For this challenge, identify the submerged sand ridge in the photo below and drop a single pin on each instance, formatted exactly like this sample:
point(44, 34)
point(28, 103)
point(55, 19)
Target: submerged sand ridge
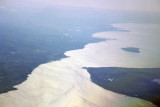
point(65, 83)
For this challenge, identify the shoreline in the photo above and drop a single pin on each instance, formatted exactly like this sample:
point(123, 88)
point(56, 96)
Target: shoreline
point(140, 82)
point(65, 83)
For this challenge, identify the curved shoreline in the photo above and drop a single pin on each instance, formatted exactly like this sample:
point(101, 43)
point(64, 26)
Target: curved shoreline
point(65, 83)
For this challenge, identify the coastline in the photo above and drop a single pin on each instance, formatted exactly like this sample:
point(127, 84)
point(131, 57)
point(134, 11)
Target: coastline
point(141, 83)
point(65, 83)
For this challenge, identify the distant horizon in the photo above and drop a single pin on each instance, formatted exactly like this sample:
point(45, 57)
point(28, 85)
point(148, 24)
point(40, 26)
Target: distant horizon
point(129, 5)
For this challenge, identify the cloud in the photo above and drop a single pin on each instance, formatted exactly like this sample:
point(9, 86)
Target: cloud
point(78, 30)
point(13, 10)
point(2, 7)
point(66, 34)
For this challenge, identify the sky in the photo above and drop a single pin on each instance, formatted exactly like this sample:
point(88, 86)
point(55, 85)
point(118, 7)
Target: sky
point(138, 5)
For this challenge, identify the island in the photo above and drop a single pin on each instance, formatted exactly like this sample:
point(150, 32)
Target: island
point(131, 49)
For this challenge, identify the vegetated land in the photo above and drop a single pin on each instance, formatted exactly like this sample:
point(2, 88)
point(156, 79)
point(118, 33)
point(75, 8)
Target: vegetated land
point(135, 82)
point(131, 49)
point(30, 37)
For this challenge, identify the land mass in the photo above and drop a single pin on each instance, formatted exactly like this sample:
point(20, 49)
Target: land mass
point(135, 82)
point(131, 49)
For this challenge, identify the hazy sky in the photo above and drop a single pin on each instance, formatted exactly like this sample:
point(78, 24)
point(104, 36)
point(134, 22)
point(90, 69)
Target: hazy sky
point(139, 5)
point(143, 5)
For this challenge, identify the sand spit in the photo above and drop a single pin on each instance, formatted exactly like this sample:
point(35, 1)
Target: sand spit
point(65, 83)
